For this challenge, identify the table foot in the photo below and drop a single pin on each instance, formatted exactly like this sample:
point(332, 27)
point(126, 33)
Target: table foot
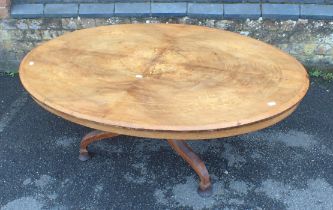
point(206, 192)
point(182, 148)
point(84, 156)
point(90, 138)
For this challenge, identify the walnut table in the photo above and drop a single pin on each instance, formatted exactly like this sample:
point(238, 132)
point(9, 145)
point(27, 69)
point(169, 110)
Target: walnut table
point(174, 82)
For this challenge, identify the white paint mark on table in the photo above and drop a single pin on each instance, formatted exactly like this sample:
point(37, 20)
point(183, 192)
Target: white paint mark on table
point(31, 63)
point(139, 76)
point(271, 103)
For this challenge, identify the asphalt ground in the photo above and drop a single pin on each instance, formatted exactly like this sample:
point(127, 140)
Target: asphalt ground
point(286, 166)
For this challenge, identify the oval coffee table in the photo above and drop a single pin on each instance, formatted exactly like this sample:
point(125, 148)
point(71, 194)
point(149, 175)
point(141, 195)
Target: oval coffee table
point(164, 81)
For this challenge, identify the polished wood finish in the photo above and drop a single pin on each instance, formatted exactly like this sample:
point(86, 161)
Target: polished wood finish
point(91, 137)
point(182, 148)
point(164, 81)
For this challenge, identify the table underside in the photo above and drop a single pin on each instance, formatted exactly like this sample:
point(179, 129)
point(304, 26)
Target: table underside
point(177, 135)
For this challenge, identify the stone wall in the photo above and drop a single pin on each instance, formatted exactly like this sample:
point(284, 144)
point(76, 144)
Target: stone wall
point(310, 41)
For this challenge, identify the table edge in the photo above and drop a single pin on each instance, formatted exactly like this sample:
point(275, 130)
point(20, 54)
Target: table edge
point(173, 134)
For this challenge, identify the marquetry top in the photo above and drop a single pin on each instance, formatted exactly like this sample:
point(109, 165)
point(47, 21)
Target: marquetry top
point(162, 77)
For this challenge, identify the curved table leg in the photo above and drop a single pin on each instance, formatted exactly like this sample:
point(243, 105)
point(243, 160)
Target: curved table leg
point(90, 138)
point(205, 186)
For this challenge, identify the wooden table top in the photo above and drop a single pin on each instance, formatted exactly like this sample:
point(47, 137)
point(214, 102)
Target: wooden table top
point(164, 80)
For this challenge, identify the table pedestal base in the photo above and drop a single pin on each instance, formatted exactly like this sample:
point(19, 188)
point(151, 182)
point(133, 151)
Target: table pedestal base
point(90, 138)
point(185, 151)
point(180, 146)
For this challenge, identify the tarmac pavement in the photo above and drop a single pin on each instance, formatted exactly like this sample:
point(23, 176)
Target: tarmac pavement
point(286, 166)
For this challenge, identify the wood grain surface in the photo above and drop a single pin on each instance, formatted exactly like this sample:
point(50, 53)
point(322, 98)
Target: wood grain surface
point(177, 81)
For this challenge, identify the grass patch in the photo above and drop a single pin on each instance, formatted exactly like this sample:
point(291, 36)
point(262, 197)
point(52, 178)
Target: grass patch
point(9, 73)
point(328, 76)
